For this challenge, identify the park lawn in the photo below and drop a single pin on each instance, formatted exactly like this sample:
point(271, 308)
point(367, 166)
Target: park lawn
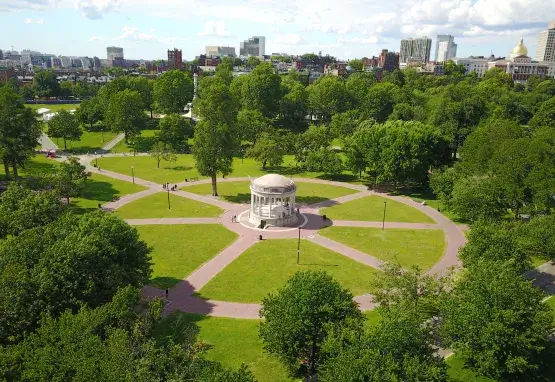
point(156, 206)
point(53, 107)
point(551, 302)
point(239, 192)
point(422, 248)
point(102, 189)
point(233, 342)
point(371, 208)
point(458, 373)
point(90, 142)
point(184, 167)
point(144, 143)
point(35, 166)
point(177, 250)
point(266, 266)
point(537, 261)
point(432, 201)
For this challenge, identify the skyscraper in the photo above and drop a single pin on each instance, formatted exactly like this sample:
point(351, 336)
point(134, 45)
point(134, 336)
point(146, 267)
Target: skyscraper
point(114, 56)
point(415, 49)
point(175, 59)
point(546, 44)
point(446, 48)
point(254, 46)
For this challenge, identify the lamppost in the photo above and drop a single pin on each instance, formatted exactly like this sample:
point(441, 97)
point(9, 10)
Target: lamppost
point(383, 222)
point(169, 206)
point(102, 133)
point(96, 159)
point(299, 247)
point(133, 173)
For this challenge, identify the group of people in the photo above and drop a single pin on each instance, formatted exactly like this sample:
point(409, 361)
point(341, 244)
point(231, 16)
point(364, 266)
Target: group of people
point(168, 187)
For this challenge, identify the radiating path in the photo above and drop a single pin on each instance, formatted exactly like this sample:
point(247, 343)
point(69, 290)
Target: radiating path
point(152, 221)
point(366, 224)
point(114, 142)
point(47, 143)
point(349, 252)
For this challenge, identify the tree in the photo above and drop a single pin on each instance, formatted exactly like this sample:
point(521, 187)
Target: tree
point(324, 159)
point(19, 131)
point(69, 179)
point(89, 112)
point(328, 96)
point(162, 150)
point(356, 64)
point(66, 89)
point(299, 317)
point(172, 91)
point(495, 319)
point(267, 150)
point(358, 85)
point(125, 113)
point(476, 198)
point(402, 112)
point(262, 91)
point(253, 62)
point(539, 236)
point(343, 125)
point(545, 116)
point(144, 87)
point(452, 69)
point(225, 72)
point(64, 125)
point(252, 124)
point(294, 103)
point(380, 100)
point(71, 262)
point(175, 131)
point(23, 209)
point(46, 84)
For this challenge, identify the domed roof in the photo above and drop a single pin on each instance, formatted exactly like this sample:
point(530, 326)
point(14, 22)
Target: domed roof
point(349, 68)
point(520, 49)
point(273, 180)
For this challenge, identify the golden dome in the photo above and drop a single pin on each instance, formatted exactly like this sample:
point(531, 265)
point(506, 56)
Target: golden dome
point(519, 49)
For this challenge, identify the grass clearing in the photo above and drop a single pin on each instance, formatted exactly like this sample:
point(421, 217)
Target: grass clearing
point(102, 189)
point(267, 266)
point(422, 248)
point(232, 341)
point(36, 166)
point(90, 142)
point(371, 208)
point(156, 206)
point(239, 192)
point(53, 107)
point(180, 249)
point(142, 143)
point(457, 371)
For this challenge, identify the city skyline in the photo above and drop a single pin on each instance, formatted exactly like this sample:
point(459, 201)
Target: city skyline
point(350, 29)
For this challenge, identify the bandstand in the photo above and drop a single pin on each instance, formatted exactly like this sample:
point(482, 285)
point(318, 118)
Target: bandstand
point(273, 201)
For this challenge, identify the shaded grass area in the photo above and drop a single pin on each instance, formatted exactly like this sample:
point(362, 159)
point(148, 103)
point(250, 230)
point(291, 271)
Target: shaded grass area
point(457, 371)
point(177, 250)
point(422, 248)
point(371, 208)
point(184, 167)
point(102, 189)
point(142, 143)
point(90, 142)
point(36, 166)
point(156, 206)
point(267, 265)
point(232, 342)
point(239, 192)
point(53, 107)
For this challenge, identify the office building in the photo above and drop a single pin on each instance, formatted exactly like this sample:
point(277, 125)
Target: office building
point(1, 55)
point(56, 63)
point(219, 51)
point(96, 63)
point(446, 49)
point(545, 50)
point(478, 65)
point(175, 59)
point(115, 56)
point(254, 46)
point(415, 50)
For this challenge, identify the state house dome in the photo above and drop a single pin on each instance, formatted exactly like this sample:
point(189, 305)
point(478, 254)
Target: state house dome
point(520, 49)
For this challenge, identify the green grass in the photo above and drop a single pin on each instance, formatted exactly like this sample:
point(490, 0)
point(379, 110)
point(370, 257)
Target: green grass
point(409, 247)
point(458, 373)
point(184, 167)
point(232, 342)
point(36, 166)
point(239, 192)
point(537, 261)
point(432, 201)
point(53, 108)
point(90, 142)
point(143, 143)
point(156, 206)
point(551, 302)
point(371, 208)
point(177, 250)
point(266, 266)
point(102, 189)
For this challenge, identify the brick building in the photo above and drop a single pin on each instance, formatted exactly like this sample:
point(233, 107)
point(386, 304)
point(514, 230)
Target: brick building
point(175, 59)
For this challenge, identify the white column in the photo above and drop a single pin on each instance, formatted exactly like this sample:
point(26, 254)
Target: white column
point(270, 209)
point(260, 206)
point(252, 202)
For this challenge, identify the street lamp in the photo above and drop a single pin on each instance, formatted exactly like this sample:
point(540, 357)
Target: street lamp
point(133, 173)
point(169, 206)
point(102, 133)
point(96, 159)
point(383, 222)
point(299, 247)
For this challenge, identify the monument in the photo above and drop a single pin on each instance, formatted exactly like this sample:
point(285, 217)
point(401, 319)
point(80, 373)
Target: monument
point(273, 201)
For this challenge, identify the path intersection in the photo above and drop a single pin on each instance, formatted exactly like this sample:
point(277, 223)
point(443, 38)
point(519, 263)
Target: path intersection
point(182, 295)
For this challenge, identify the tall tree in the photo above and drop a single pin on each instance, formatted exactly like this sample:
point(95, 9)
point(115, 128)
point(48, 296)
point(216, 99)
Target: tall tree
point(262, 91)
point(144, 87)
point(358, 85)
point(19, 131)
point(69, 178)
point(64, 125)
point(172, 91)
point(299, 317)
point(252, 124)
point(46, 84)
point(545, 116)
point(161, 150)
point(328, 96)
point(294, 103)
point(268, 149)
point(125, 113)
point(89, 112)
point(175, 131)
point(495, 319)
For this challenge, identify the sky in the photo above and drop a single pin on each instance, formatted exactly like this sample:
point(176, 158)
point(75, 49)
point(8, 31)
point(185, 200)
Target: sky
point(342, 28)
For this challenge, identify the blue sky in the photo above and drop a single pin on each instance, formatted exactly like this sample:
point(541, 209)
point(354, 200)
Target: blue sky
point(345, 29)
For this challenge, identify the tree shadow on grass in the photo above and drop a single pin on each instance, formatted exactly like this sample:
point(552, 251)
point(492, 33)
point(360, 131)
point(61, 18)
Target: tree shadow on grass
point(339, 177)
point(321, 265)
point(239, 198)
point(179, 168)
point(310, 199)
point(164, 282)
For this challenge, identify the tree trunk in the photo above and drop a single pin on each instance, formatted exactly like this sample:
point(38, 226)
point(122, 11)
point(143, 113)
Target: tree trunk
point(360, 173)
point(91, 125)
point(67, 198)
point(313, 358)
point(65, 144)
point(14, 165)
point(158, 162)
point(151, 114)
point(214, 186)
point(264, 165)
point(125, 137)
point(7, 169)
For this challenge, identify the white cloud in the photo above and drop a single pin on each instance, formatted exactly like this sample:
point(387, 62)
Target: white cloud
point(290, 39)
point(95, 9)
point(31, 21)
point(359, 40)
point(131, 33)
point(97, 38)
point(214, 29)
point(28, 21)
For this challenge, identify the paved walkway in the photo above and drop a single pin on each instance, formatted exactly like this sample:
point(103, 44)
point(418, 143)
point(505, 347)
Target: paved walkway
point(114, 142)
point(182, 296)
point(47, 143)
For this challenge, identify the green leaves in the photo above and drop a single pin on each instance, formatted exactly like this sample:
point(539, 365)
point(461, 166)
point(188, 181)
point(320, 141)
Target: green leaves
point(125, 113)
point(172, 91)
point(64, 125)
